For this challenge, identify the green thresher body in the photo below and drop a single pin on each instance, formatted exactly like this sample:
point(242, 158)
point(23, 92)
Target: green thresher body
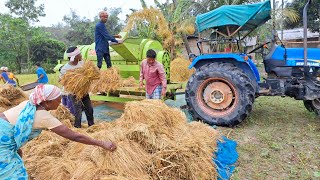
point(126, 56)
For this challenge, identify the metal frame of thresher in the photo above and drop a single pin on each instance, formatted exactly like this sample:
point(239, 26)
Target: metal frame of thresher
point(134, 93)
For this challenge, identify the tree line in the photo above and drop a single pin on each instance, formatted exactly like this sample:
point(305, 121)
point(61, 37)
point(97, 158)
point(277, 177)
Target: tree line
point(23, 44)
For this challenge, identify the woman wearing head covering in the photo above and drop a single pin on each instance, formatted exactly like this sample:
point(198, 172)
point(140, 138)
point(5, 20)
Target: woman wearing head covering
point(17, 123)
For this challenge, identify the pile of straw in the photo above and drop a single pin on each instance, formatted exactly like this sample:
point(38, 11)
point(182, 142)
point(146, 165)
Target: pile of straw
point(179, 71)
point(110, 80)
point(153, 141)
point(129, 82)
point(10, 96)
point(64, 115)
point(79, 80)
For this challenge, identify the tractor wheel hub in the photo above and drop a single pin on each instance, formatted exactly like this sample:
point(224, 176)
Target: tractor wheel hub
point(218, 95)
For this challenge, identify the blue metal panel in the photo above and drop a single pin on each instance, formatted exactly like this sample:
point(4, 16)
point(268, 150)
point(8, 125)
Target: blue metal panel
point(254, 69)
point(216, 56)
point(295, 56)
point(231, 57)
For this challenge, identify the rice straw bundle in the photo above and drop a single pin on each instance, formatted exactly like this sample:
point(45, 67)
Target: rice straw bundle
point(4, 102)
point(153, 141)
point(181, 163)
point(109, 80)
point(79, 80)
point(44, 140)
point(156, 23)
point(2, 109)
point(100, 126)
point(179, 71)
point(149, 140)
point(115, 178)
point(48, 168)
point(10, 96)
point(129, 158)
point(11, 93)
point(64, 115)
point(193, 144)
point(154, 113)
point(129, 82)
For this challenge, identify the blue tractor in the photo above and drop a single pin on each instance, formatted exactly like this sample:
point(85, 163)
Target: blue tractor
point(223, 88)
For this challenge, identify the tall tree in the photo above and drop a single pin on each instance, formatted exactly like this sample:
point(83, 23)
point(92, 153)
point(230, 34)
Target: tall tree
point(13, 37)
point(29, 12)
point(114, 24)
point(180, 17)
point(45, 49)
point(313, 15)
point(26, 9)
point(81, 29)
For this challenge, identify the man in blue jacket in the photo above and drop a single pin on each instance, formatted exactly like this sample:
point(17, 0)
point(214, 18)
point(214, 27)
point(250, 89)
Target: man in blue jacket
point(102, 37)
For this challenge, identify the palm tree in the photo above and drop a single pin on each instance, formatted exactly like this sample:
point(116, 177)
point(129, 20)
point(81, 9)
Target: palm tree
point(281, 15)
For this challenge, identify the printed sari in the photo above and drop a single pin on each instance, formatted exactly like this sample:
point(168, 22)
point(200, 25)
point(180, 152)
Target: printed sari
point(12, 137)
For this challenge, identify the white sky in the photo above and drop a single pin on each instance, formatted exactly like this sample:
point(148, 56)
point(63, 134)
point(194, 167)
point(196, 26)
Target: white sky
point(56, 9)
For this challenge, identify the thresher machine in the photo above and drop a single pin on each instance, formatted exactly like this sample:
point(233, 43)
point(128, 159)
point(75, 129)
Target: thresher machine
point(127, 56)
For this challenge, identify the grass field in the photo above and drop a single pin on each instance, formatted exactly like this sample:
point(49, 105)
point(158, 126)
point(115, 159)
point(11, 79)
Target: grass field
point(29, 78)
point(279, 140)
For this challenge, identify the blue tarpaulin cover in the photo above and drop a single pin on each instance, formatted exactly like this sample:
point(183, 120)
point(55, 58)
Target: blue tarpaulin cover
point(248, 16)
point(226, 156)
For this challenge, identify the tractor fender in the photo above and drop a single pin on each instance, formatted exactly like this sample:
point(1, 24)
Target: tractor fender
point(237, 59)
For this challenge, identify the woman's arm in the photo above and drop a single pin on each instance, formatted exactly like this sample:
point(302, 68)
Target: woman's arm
point(65, 132)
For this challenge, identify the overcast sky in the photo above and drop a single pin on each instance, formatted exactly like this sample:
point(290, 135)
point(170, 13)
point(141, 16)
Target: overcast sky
point(56, 9)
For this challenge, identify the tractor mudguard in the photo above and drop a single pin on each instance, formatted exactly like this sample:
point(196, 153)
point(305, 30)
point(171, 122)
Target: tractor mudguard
point(246, 65)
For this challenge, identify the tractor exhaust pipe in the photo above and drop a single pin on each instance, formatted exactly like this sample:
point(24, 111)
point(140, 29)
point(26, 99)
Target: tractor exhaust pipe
point(305, 37)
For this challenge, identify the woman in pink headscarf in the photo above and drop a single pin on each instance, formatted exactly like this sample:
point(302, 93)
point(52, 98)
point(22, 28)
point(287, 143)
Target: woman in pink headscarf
point(17, 123)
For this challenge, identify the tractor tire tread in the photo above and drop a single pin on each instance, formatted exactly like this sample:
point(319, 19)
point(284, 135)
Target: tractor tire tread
point(238, 77)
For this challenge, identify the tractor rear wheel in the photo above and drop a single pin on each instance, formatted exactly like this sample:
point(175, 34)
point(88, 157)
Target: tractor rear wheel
point(312, 105)
point(220, 94)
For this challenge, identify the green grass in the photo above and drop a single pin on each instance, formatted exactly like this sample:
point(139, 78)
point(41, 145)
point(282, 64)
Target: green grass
point(29, 78)
point(279, 140)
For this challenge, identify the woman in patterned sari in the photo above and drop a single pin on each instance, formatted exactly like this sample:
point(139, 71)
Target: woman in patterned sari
point(17, 123)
